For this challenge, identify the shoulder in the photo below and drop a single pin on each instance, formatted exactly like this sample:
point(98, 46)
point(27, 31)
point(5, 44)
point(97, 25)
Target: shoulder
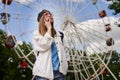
point(36, 34)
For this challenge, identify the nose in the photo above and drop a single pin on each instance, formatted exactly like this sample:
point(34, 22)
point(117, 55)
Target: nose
point(50, 15)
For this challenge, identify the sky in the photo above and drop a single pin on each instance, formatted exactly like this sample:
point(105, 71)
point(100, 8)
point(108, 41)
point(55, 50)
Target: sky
point(82, 13)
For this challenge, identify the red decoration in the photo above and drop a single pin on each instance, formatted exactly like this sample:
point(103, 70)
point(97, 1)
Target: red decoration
point(10, 41)
point(5, 17)
point(109, 41)
point(8, 2)
point(23, 64)
point(105, 71)
point(108, 28)
point(102, 13)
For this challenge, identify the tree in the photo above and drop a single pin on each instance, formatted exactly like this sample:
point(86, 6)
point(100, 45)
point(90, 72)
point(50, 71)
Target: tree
point(114, 65)
point(9, 62)
point(115, 6)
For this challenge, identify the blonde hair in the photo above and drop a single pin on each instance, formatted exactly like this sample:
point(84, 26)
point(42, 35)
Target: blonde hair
point(43, 29)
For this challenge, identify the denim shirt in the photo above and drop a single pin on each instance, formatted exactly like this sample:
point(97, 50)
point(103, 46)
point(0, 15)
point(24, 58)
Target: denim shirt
point(55, 59)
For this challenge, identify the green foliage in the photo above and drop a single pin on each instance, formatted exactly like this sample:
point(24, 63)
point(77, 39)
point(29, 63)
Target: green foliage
point(9, 62)
point(115, 6)
point(114, 65)
point(2, 36)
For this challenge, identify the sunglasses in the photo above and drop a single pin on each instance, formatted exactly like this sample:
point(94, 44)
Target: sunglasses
point(47, 14)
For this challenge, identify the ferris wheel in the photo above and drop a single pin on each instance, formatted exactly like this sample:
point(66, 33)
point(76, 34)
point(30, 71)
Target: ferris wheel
point(86, 25)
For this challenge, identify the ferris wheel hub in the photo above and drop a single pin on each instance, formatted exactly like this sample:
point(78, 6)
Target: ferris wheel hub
point(68, 20)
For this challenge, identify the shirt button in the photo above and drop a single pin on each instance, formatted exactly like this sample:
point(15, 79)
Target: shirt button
point(61, 61)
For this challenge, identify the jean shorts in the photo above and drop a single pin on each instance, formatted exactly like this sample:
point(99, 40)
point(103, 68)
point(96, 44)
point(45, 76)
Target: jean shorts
point(57, 76)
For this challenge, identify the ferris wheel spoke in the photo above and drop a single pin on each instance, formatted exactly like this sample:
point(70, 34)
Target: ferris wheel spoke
point(91, 63)
point(23, 17)
point(106, 66)
point(25, 5)
point(23, 55)
point(96, 47)
point(92, 39)
point(88, 43)
point(73, 7)
point(93, 68)
point(29, 53)
point(62, 5)
point(83, 8)
point(24, 33)
point(99, 58)
point(67, 6)
point(17, 53)
point(91, 47)
point(98, 43)
point(83, 64)
point(90, 31)
point(94, 34)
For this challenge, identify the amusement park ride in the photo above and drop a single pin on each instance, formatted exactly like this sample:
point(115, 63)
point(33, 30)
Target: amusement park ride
point(82, 64)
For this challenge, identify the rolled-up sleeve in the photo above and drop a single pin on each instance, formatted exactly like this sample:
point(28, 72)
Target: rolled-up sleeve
point(42, 43)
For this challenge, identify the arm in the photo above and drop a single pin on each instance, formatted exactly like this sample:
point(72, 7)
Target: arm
point(41, 43)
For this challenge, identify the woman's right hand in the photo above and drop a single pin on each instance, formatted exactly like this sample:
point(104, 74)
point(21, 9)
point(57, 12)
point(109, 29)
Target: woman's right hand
point(48, 23)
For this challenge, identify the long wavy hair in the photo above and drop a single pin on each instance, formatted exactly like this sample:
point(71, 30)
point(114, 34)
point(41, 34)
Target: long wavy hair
point(43, 29)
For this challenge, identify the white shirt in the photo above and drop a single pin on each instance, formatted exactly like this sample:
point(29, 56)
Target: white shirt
point(43, 64)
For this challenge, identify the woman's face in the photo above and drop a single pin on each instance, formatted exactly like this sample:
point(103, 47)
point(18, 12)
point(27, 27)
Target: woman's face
point(48, 16)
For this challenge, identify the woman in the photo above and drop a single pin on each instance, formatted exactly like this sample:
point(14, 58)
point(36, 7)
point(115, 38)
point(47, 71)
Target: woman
point(51, 58)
